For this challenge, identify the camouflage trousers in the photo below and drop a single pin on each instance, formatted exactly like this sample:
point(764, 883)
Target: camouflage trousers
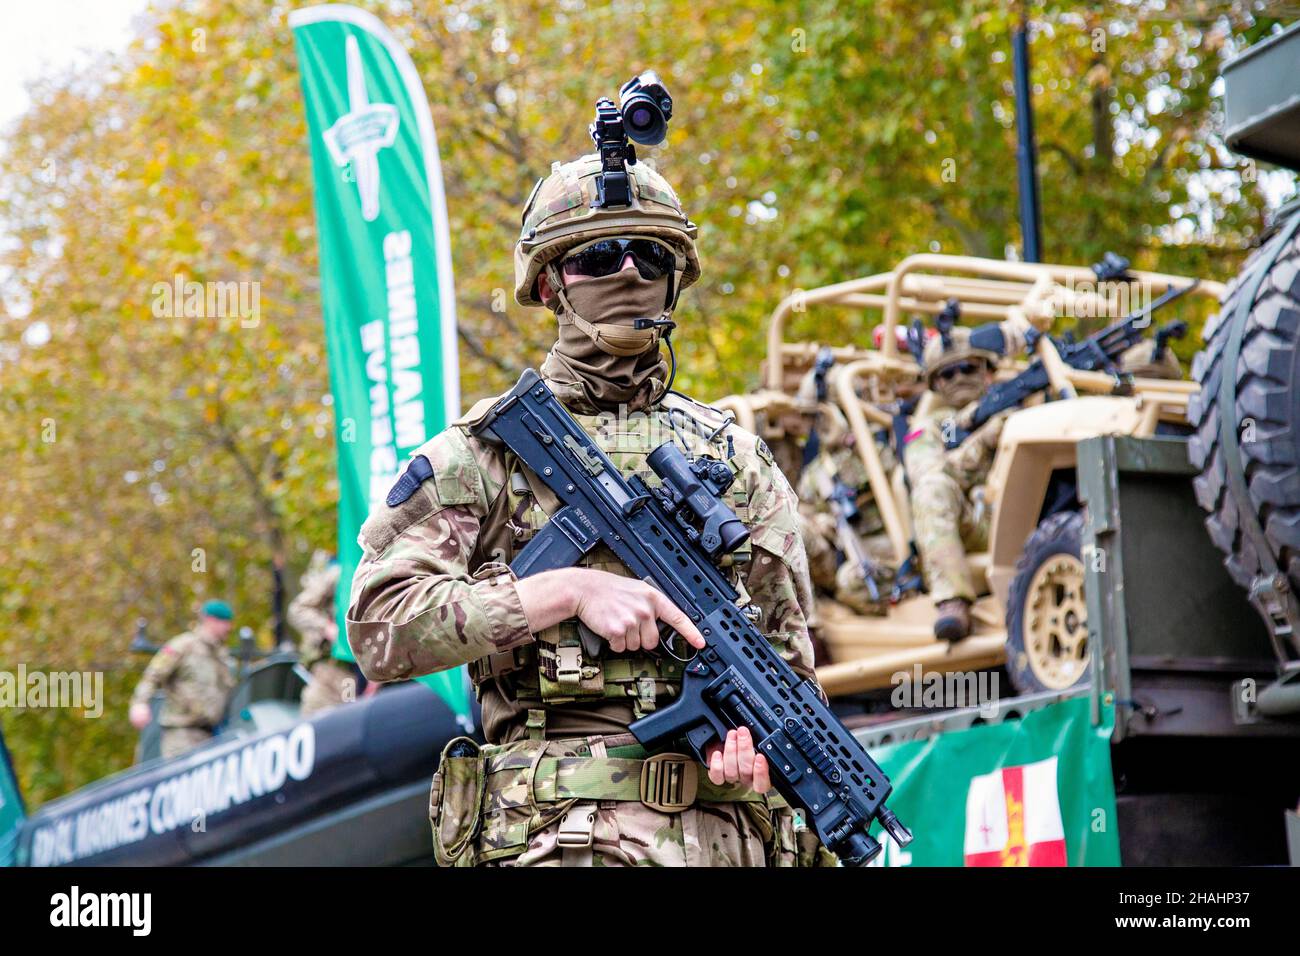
point(332, 683)
point(506, 806)
point(946, 524)
point(179, 740)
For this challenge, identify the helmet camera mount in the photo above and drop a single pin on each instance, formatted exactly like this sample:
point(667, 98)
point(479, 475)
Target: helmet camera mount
point(642, 114)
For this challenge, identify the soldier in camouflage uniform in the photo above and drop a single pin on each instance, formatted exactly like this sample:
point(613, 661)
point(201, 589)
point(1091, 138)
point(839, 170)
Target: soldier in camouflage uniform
point(837, 464)
point(562, 782)
point(312, 614)
point(196, 674)
point(1140, 361)
point(948, 513)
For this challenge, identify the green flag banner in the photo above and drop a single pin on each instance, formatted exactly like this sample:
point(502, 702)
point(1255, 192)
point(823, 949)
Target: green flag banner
point(11, 807)
point(1030, 792)
point(385, 265)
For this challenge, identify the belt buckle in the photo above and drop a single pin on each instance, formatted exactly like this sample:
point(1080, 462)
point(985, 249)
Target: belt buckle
point(669, 782)
point(578, 826)
point(568, 665)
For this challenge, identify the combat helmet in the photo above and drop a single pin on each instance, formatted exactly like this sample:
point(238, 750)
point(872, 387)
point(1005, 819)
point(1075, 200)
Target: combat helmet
point(560, 215)
point(942, 351)
point(1140, 361)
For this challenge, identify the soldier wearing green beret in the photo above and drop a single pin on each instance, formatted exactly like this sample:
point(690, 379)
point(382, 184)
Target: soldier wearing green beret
point(196, 673)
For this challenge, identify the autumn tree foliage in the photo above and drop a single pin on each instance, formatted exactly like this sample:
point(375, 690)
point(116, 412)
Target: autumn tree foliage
point(155, 457)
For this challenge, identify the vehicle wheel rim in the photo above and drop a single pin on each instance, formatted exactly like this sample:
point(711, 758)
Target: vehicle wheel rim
point(1056, 622)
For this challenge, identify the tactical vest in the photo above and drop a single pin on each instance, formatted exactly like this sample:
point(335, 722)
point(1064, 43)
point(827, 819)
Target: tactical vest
point(555, 670)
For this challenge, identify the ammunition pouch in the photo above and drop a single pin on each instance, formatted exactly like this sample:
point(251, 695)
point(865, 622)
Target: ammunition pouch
point(456, 802)
point(556, 670)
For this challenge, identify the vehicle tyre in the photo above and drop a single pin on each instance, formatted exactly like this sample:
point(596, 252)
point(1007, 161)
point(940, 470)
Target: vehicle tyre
point(1047, 620)
point(1267, 416)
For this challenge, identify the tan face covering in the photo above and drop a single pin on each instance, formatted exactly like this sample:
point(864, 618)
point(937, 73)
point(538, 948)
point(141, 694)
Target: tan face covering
point(960, 390)
point(600, 356)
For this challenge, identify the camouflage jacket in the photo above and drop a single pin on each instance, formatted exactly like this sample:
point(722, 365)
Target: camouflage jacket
point(312, 612)
point(925, 451)
point(197, 677)
point(434, 588)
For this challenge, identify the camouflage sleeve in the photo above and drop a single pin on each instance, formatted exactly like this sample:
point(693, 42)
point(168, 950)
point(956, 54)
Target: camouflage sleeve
point(312, 611)
point(416, 606)
point(159, 672)
point(970, 461)
point(777, 578)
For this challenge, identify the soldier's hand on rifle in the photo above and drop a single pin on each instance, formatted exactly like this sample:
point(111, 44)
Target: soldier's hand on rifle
point(624, 611)
point(989, 434)
point(735, 762)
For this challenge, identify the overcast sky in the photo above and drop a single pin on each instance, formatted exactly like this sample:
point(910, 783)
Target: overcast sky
point(39, 36)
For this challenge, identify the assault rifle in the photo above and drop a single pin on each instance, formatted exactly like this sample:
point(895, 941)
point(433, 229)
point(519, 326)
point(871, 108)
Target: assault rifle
point(1098, 352)
point(672, 537)
point(844, 506)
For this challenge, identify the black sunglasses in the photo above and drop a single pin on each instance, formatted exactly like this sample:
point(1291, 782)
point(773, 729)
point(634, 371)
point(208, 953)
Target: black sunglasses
point(961, 368)
point(605, 257)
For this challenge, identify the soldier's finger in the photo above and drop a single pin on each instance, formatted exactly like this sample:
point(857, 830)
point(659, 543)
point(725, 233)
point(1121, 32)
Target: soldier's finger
point(745, 754)
point(617, 644)
point(649, 635)
point(730, 766)
point(762, 777)
point(632, 639)
point(672, 615)
point(717, 774)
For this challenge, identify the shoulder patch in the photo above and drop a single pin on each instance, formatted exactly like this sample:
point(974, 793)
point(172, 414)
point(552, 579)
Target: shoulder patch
point(418, 471)
point(457, 474)
point(446, 471)
point(764, 452)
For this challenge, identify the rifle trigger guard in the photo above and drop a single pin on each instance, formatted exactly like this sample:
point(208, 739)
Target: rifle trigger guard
point(667, 641)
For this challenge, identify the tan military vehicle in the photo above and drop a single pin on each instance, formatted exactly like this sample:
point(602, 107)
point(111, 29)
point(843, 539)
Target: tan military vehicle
point(1032, 613)
point(1240, 417)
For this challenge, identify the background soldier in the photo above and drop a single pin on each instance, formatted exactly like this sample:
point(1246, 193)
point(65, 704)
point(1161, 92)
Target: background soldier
point(560, 782)
point(333, 682)
point(1142, 361)
point(196, 673)
point(948, 514)
point(836, 471)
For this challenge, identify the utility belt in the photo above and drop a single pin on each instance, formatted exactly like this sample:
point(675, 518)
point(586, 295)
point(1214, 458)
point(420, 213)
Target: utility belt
point(486, 802)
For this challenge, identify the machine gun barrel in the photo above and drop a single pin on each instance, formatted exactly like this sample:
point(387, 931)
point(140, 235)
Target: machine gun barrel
point(738, 679)
point(1098, 351)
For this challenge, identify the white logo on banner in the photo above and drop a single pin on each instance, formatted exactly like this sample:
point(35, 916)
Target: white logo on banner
point(359, 134)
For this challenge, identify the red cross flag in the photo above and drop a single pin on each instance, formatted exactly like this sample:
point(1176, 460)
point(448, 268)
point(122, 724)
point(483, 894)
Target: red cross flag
point(1013, 817)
